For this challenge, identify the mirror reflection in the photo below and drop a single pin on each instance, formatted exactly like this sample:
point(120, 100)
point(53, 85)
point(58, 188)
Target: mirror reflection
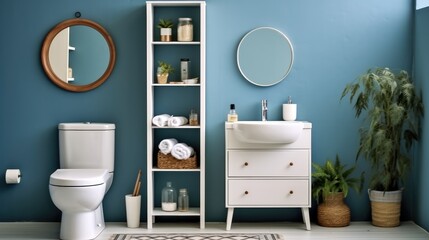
point(78, 55)
point(265, 56)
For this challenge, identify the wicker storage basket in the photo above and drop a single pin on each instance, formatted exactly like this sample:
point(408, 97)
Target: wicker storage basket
point(385, 208)
point(169, 162)
point(333, 212)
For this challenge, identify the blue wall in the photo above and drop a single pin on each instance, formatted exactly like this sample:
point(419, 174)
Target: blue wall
point(334, 42)
point(421, 168)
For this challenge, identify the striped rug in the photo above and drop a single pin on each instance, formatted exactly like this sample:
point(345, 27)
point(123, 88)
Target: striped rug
point(199, 236)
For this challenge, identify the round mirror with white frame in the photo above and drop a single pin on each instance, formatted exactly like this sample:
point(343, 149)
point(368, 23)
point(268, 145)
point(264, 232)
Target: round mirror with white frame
point(265, 56)
point(78, 55)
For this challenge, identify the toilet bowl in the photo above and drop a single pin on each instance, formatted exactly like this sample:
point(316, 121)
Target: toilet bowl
point(87, 156)
point(79, 193)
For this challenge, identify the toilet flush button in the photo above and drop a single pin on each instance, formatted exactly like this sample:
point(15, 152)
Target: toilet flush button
point(99, 225)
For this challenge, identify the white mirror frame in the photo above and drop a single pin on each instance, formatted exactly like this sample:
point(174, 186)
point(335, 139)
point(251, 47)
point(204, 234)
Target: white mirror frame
point(261, 60)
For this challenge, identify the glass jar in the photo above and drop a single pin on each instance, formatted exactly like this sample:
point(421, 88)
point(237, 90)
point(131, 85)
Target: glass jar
point(193, 118)
point(169, 198)
point(183, 200)
point(185, 30)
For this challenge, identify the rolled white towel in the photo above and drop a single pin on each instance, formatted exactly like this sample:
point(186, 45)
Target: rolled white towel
point(177, 121)
point(182, 151)
point(161, 120)
point(166, 145)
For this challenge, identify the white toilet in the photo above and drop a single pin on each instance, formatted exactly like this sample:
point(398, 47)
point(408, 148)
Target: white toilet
point(87, 152)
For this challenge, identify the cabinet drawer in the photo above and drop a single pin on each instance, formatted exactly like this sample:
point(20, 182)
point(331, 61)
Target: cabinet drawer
point(268, 163)
point(268, 193)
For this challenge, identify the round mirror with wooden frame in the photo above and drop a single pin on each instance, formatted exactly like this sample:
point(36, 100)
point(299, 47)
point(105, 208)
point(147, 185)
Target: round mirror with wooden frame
point(58, 41)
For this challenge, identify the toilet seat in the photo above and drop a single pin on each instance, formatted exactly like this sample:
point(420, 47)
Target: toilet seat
point(78, 177)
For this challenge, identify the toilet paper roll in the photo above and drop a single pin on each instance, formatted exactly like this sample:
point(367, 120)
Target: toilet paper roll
point(289, 112)
point(13, 176)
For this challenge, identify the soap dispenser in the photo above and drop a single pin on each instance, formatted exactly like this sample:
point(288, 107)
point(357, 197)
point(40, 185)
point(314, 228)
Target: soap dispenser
point(232, 115)
point(289, 110)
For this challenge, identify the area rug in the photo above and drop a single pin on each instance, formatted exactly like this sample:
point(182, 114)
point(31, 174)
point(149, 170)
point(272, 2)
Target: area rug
point(199, 236)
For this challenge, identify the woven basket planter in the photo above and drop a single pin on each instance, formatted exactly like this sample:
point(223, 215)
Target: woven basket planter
point(333, 212)
point(169, 162)
point(385, 208)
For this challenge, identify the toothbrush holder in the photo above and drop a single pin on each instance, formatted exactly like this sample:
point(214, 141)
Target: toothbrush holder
point(289, 111)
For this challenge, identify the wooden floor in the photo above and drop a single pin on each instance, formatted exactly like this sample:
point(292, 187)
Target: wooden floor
point(357, 230)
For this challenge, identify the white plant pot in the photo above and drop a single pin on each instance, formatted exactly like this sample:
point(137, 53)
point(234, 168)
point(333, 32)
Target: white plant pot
point(166, 34)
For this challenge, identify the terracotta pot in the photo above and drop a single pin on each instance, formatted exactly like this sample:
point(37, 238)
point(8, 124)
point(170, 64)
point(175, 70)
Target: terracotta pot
point(333, 212)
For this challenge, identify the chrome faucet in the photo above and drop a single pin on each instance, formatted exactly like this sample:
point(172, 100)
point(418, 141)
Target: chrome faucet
point(264, 110)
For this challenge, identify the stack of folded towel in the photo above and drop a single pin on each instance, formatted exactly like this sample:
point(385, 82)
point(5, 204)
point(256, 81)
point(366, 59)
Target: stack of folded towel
point(164, 120)
point(179, 151)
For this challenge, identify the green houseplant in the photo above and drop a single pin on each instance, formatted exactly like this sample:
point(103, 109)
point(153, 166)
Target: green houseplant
point(164, 69)
point(393, 109)
point(165, 26)
point(331, 183)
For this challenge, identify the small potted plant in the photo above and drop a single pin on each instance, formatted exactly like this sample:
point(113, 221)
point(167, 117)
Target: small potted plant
point(331, 184)
point(164, 69)
point(393, 109)
point(165, 26)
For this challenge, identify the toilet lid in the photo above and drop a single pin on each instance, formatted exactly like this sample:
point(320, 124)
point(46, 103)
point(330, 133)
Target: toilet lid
point(79, 177)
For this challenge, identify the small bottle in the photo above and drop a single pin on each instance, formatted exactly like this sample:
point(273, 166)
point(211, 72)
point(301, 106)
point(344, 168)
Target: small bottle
point(183, 200)
point(185, 30)
point(184, 68)
point(232, 115)
point(169, 198)
point(193, 118)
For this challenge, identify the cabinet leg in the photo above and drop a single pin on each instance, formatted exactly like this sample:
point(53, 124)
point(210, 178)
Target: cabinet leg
point(229, 218)
point(306, 217)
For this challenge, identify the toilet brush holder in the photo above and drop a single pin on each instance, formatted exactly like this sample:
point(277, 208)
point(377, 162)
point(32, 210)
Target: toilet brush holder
point(132, 205)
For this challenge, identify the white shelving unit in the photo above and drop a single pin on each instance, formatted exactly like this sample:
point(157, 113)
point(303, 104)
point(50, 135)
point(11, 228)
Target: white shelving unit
point(153, 9)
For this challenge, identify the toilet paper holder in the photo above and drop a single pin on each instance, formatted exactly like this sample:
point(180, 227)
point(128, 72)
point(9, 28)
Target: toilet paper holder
point(13, 176)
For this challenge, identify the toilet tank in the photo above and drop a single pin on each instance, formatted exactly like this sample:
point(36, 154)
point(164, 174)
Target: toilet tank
point(87, 145)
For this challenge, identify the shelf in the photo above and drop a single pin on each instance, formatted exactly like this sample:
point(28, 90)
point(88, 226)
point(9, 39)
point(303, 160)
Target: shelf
point(155, 169)
point(176, 97)
point(175, 85)
point(176, 43)
point(184, 126)
point(191, 212)
point(175, 3)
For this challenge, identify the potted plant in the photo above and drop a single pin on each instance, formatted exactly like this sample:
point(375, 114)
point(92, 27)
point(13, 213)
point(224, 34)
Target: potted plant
point(165, 26)
point(164, 69)
point(393, 109)
point(330, 184)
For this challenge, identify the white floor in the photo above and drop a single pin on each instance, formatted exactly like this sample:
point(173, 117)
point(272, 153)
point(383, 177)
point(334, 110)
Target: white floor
point(356, 230)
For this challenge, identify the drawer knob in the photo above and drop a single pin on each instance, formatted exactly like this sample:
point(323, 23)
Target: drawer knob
point(246, 192)
point(291, 164)
point(246, 164)
point(290, 192)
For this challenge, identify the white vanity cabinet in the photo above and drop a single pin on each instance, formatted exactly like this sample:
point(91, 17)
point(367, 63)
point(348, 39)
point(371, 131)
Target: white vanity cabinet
point(262, 175)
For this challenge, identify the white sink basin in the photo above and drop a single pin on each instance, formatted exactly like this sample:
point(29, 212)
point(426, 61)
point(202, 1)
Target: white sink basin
point(267, 131)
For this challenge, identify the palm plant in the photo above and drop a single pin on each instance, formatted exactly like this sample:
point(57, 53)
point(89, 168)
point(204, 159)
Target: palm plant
point(334, 177)
point(393, 110)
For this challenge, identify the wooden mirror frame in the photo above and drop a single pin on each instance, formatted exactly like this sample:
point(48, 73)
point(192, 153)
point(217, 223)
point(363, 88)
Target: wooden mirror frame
point(45, 55)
